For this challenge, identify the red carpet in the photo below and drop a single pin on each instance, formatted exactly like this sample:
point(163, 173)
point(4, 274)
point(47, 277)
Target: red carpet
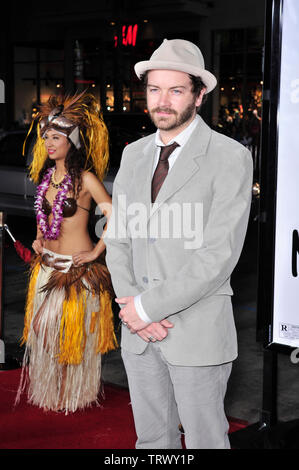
point(110, 426)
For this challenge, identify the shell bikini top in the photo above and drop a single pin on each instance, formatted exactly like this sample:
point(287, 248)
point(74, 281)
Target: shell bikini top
point(69, 207)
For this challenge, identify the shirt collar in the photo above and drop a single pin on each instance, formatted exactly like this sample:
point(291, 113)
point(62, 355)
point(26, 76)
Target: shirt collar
point(182, 137)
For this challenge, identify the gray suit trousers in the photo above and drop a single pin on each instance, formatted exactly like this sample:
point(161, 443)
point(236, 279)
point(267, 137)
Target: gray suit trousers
point(164, 395)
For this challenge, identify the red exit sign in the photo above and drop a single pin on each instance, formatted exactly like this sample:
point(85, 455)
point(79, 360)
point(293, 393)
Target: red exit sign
point(129, 36)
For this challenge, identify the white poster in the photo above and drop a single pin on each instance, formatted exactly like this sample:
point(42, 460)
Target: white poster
point(286, 278)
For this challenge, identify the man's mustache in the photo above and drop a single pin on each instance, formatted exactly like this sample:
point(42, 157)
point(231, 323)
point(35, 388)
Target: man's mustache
point(163, 110)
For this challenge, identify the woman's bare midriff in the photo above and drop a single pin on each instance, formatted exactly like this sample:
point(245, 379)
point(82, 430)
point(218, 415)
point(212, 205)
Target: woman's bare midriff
point(74, 236)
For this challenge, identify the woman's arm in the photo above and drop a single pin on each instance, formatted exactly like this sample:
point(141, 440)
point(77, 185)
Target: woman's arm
point(38, 243)
point(97, 191)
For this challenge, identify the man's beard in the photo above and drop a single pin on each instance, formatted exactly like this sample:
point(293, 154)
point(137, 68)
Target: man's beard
point(162, 122)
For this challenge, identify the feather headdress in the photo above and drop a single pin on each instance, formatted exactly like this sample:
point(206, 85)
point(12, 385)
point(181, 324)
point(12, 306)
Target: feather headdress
point(79, 118)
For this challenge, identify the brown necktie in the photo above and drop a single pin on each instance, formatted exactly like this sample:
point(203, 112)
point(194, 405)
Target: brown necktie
point(162, 169)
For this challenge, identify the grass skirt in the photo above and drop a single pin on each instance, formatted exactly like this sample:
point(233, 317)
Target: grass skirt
point(68, 324)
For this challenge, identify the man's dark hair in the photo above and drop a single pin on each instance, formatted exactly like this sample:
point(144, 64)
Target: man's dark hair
point(143, 79)
point(197, 83)
point(197, 86)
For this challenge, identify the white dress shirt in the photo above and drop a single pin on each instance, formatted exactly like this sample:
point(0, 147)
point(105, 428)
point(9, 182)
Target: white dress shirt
point(180, 139)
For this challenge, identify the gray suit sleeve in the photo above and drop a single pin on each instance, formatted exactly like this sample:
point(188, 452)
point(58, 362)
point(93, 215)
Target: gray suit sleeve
point(118, 245)
point(223, 238)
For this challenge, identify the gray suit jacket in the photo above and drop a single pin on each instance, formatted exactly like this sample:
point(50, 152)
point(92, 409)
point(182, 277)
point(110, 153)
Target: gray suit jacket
point(188, 285)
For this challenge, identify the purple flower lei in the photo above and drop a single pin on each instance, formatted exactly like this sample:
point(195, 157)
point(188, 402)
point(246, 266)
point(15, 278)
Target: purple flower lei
point(51, 232)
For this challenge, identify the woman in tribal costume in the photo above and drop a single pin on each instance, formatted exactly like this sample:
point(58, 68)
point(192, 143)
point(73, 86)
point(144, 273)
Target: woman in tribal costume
point(69, 319)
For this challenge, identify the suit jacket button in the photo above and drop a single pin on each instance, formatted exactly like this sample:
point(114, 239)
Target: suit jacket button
point(145, 279)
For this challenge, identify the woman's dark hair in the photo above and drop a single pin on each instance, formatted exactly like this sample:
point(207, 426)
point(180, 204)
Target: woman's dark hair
point(74, 163)
point(197, 85)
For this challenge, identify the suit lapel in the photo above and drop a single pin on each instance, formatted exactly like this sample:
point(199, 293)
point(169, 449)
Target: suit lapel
point(186, 165)
point(143, 172)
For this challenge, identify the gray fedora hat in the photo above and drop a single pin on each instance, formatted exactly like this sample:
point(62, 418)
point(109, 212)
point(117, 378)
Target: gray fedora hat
point(181, 55)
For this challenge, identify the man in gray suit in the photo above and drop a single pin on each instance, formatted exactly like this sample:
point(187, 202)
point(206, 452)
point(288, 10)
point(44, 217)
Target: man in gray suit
point(181, 201)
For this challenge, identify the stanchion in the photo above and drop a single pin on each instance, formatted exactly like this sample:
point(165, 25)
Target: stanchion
point(268, 414)
point(2, 235)
point(7, 362)
point(256, 436)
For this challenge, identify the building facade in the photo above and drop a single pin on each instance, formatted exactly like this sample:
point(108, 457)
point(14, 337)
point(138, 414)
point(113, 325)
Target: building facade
point(96, 45)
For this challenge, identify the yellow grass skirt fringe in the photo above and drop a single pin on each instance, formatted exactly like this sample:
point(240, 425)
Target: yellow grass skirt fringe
point(68, 325)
